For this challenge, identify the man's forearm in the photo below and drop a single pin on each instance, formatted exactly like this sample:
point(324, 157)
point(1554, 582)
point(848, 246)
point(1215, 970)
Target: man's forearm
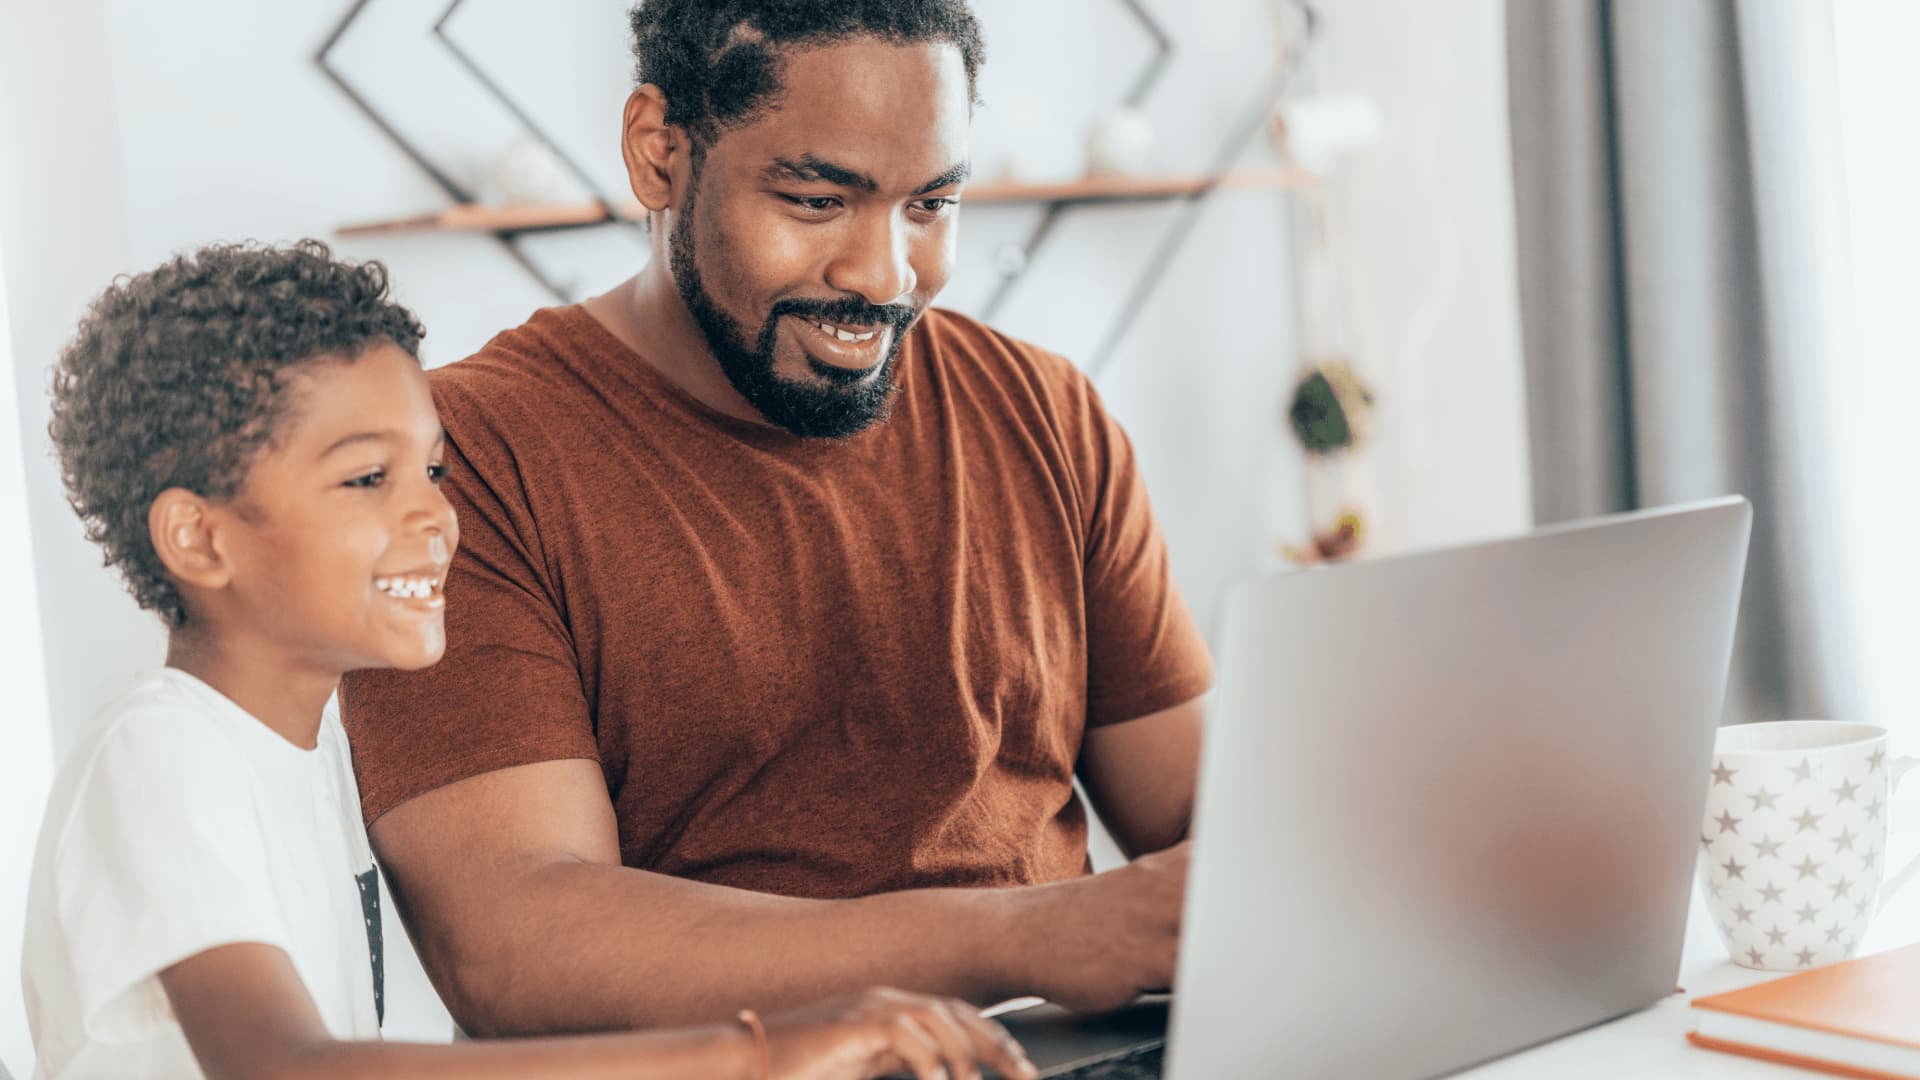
point(577, 946)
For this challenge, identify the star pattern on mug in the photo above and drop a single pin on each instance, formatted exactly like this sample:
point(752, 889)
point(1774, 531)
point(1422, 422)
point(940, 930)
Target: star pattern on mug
point(1792, 853)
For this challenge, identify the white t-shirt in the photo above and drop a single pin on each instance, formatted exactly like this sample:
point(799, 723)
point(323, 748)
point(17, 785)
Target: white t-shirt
point(179, 823)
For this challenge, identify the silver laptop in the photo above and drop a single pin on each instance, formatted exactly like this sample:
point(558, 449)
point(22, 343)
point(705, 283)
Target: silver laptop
point(1450, 801)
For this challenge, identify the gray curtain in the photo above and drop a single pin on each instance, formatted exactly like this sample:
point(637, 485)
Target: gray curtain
point(1676, 313)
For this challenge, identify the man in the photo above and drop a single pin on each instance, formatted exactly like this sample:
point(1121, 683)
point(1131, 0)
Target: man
point(788, 608)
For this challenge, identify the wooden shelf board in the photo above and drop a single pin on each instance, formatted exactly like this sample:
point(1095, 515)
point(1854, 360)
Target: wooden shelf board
point(1094, 189)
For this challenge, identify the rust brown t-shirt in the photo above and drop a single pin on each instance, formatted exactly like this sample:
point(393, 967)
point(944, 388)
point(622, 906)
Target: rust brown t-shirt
point(818, 668)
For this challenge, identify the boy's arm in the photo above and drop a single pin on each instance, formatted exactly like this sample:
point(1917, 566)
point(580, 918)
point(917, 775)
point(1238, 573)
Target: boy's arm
point(513, 891)
point(246, 1014)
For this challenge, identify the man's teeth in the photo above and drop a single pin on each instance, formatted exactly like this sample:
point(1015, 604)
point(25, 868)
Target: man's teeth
point(844, 335)
point(418, 588)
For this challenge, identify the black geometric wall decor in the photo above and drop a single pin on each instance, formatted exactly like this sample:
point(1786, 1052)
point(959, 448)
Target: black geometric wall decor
point(441, 177)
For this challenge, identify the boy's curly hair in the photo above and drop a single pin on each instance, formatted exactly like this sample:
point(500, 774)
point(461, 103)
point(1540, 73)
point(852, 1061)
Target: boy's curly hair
point(717, 61)
point(179, 376)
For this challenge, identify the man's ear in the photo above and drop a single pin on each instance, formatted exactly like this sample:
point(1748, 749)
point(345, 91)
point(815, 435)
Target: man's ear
point(182, 527)
point(657, 153)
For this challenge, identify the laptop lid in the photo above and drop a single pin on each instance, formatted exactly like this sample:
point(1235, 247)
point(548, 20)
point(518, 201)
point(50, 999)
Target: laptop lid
point(1449, 801)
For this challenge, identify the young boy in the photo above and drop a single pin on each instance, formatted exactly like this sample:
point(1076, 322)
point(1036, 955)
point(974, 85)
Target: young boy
point(248, 436)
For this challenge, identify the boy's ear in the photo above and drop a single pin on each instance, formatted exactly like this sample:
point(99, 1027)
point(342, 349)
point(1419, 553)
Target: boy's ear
point(655, 151)
point(180, 524)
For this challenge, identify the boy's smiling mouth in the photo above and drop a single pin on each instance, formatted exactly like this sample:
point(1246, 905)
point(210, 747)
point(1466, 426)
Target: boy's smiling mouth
point(417, 588)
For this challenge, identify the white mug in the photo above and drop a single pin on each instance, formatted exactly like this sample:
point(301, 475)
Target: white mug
point(1794, 847)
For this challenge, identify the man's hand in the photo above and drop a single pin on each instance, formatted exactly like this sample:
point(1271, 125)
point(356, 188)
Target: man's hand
point(1096, 943)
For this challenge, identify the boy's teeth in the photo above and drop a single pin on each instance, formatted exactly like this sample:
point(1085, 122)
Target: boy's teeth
point(406, 588)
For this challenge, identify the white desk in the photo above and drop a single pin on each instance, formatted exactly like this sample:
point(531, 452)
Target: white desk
point(1653, 1043)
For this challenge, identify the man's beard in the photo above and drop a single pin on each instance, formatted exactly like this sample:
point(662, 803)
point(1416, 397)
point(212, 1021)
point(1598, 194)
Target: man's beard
point(851, 402)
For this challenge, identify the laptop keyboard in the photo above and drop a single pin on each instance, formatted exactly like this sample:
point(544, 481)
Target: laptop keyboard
point(1137, 1063)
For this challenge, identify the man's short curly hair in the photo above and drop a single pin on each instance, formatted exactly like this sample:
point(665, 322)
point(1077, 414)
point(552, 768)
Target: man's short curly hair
point(180, 376)
point(717, 62)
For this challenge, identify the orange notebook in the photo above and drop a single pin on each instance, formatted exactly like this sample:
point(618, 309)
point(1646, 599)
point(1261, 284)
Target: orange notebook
point(1860, 1018)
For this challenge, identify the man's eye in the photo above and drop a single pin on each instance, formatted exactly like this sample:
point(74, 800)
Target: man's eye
point(436, 473)
point(368, 480)
point(818, 204)
point(938, 206)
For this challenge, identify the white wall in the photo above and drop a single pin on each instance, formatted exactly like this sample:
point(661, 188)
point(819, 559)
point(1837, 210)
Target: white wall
point(27, 763)
point(59, 242)
point(226, 131)
point(1429, 218)
point(1876, 383)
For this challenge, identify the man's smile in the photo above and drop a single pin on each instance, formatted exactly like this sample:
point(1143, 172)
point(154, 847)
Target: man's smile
point(852, 349)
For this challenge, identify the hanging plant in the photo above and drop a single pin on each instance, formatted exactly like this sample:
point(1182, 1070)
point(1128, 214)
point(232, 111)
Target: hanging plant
point(1332, 408)
point(1331, 413)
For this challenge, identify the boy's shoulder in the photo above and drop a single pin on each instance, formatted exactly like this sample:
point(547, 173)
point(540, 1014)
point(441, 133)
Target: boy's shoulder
point(154, 714)
point(153, 720)
point(164, 736)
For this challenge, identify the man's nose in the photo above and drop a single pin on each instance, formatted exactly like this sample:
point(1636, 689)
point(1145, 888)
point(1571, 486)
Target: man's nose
point(876, 263)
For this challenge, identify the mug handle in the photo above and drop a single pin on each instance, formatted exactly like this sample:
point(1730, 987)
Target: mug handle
point(1901, 767)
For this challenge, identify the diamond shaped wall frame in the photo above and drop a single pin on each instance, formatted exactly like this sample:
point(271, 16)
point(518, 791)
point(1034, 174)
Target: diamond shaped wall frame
point(390, 33)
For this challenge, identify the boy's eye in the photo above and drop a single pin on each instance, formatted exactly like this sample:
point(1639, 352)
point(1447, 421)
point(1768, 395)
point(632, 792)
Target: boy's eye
point(368, 480)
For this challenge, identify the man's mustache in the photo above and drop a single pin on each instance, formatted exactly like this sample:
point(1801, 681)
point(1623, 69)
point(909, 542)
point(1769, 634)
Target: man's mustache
point(848, 312)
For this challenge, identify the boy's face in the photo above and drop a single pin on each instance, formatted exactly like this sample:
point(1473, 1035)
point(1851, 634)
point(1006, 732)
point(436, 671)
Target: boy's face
point(339, 539)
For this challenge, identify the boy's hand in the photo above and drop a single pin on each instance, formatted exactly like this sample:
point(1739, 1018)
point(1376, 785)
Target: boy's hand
point(881, 1032)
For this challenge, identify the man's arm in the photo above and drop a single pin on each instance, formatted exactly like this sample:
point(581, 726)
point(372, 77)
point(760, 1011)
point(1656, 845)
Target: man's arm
point(1141, 775)
point(512, 889)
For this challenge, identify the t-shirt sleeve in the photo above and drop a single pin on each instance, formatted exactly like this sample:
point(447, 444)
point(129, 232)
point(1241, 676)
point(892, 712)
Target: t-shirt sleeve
point(1144, 653)
point(164, 857)
point(508, 690)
